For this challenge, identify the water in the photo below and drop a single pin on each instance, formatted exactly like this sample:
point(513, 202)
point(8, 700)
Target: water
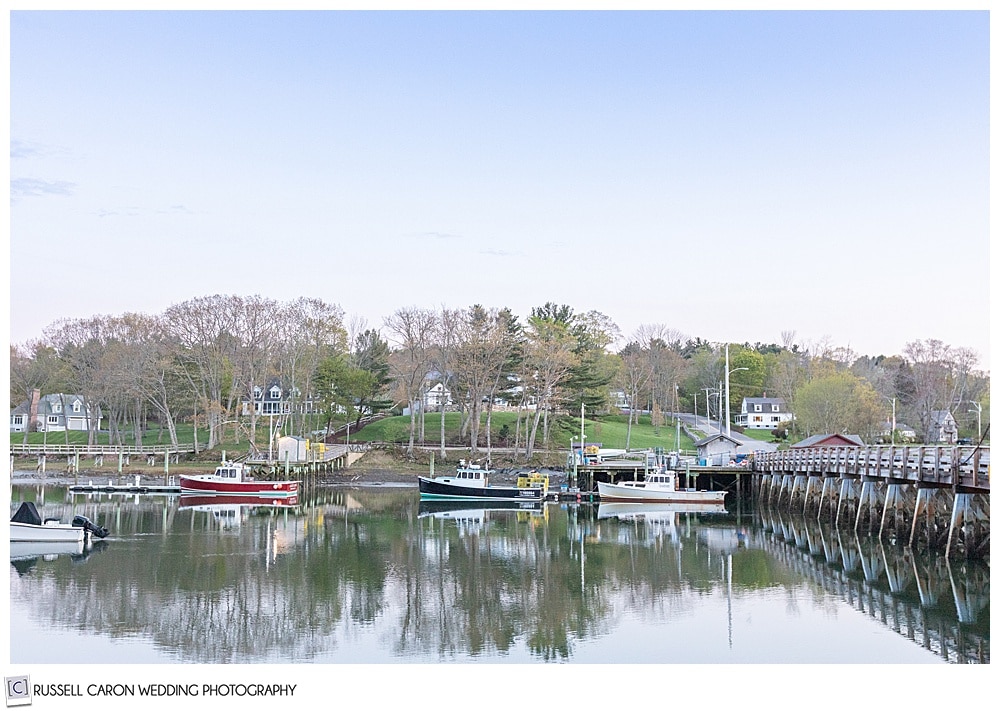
point(370, 575)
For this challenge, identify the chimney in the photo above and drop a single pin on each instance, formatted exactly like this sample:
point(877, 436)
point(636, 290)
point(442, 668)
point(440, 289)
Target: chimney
point(33, 409)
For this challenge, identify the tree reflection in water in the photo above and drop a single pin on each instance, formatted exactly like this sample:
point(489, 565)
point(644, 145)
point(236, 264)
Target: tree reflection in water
point(371, 575)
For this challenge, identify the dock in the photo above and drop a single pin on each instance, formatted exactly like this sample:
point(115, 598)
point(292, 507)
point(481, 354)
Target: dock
point(136, 487)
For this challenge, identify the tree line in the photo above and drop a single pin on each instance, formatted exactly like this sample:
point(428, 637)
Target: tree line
point(203, 360)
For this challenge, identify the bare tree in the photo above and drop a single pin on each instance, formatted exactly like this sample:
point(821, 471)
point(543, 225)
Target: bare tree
point(204, 329)
point(412, 331)
point(634, 376)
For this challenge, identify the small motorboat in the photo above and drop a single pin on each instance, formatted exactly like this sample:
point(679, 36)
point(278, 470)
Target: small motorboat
point(26, 525)
point(231, 478)
point(657, 487)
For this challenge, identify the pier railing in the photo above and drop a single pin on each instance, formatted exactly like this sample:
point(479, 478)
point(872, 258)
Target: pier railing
point(92, 449)
point(965, 467)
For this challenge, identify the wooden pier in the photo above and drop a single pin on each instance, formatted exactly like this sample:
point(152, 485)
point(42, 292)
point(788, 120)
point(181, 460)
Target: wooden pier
point(933, 496)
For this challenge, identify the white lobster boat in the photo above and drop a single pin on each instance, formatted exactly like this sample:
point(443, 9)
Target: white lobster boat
point(658, 487)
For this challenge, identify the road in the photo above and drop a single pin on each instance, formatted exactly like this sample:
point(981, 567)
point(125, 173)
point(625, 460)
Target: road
point(747, 444)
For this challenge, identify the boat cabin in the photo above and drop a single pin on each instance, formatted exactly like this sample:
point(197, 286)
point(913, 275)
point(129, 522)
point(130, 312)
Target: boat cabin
point(470, 476)
point(229, 472)
point(661, 481)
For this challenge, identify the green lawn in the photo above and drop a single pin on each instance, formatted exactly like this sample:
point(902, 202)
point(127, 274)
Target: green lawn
point(759, 435)
point(610, 431)
point(153, 436)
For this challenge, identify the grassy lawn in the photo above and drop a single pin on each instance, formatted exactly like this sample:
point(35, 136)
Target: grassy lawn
point(609, 431)
point(759, 435)
point(153, 436)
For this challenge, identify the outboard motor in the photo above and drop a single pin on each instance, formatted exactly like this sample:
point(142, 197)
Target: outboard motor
point(87, 525)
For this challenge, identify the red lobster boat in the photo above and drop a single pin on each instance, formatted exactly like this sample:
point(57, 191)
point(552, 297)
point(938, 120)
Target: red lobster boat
point(228, 478)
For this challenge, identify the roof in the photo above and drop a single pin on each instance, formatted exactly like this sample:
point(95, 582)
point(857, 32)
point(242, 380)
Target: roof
point(939, 417)
point(712, 438)
point(834, 439)
point(46, 402)
point(749, 402)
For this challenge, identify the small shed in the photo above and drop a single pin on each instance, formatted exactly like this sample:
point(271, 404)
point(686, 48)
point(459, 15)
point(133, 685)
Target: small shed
point(293, 449)
point(716, 450)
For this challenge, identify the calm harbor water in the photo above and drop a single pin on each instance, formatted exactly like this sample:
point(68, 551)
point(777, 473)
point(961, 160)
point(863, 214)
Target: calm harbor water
point(372, 575)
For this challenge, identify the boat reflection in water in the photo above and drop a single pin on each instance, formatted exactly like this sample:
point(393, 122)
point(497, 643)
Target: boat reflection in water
point(229, 510)
point(25, 555)
point(659, 520)
point(358, 575)
point(472, 516)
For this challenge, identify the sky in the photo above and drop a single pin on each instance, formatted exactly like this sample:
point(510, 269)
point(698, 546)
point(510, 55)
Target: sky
point(731, 175)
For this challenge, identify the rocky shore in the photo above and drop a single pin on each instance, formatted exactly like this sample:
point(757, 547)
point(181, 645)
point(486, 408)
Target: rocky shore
point(376, 467)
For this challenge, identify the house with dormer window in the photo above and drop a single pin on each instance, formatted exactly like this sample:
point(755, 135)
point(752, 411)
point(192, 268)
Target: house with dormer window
point(763, 413)
point(57, 412)
point(274, 399)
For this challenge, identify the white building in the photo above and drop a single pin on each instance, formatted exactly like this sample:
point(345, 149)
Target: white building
point(763, 413)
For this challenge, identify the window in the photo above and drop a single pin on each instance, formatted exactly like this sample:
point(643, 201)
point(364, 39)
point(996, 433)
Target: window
point(18, 420)
point(76, 406)
point(56, 407)
point(774, 407)
point(53, 419)
point(756, 407)
point(275, 393)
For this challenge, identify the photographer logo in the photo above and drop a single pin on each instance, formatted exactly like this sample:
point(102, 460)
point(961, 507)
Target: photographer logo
point(18, 691)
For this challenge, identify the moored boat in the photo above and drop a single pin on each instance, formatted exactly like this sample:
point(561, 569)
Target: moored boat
point(231, 478)
point(471, 481)
point(26, 525)
point(657, 487)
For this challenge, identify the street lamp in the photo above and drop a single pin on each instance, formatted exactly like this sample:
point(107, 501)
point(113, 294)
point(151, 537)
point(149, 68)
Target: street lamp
point(979, 418)
point(677, 419)
point(708, 414)
point(892, 438)
point(573, 455)
point(729, 429)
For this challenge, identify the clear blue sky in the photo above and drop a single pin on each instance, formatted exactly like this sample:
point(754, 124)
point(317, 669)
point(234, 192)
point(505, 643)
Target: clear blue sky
point(732, 175)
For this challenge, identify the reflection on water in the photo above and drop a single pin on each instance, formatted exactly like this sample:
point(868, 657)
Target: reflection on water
point(374, 575)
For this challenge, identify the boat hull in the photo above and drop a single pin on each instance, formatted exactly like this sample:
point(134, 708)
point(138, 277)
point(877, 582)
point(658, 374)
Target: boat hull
point(32, 533)
point(637, 494)
point(199, 485)
point(434, 489)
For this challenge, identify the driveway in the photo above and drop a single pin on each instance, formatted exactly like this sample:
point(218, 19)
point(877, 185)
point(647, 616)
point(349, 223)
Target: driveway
point(709, 427)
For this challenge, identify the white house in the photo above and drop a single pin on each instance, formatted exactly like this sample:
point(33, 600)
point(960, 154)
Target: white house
point(943, 427)
point(435, 396)
point(763, 413)
point(53, 413)
point(273, 399)
point(904, 433)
